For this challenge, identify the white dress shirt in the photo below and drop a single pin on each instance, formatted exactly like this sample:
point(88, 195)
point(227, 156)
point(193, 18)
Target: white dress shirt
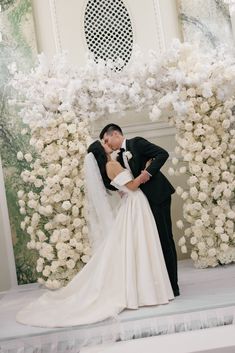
point(125, 160)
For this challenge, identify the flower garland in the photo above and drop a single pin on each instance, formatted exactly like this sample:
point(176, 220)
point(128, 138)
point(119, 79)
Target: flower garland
point(201, 105)
point(194, 91)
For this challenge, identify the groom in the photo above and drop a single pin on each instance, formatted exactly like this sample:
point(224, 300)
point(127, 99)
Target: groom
point(133, 155)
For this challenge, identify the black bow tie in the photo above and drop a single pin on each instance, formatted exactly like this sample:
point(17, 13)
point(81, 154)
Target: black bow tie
point(121, 151)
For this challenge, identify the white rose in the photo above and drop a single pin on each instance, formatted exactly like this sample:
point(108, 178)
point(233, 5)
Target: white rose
point(85, 230)
point(66, 205)
point(21, 203)
point(193, 180)
point(62, 153)
point(202, 196)
point(201, 245)
point(227, 193)
point(193, 192)
point(194, 256)
point(22, 225)
point(28, 157)
point(38, 183)
point(210, 242)
point(48, 210)
point(184, 195)
point(20, 194)
point(175, 161)
point(226, 124)
point(79, 247)
point(205, 217)
point(85, 258)
point(64, 234)
point(188, 157)
point(66, 181)
point(212, 252)
point(184, 249)
point(61, 218)
point(224, 237)
point(62, 255)
point(155, 114)
point(72, 128)
point(204, 185)
point(219, 222)
point(193, 240)
point(205, 107)
point(219, 230)
point(183, 170)
point(32, 204)
point(224, 246)
point(171, 171)
point(46, 272)
point(179, 190)
point(229, 224)
point(231, 214)
point(191, 92)
point(77, 222)
point(180, 224)
point(75, 211)
point(181, 241)
point(70, 264)
point(20, 156)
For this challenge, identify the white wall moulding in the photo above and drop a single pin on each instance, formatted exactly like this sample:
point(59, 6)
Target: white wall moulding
point(54, 22)
point(159, 26)
point(231, 6)
point(68, 26)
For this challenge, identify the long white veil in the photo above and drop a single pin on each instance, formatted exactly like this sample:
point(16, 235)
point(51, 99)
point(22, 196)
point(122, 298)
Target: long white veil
point(99, 211)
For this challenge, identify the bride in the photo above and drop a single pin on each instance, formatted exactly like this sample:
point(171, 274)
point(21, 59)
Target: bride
point(127, 269)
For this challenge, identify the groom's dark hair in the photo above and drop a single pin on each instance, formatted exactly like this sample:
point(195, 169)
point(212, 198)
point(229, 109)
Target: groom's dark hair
point(109, 129)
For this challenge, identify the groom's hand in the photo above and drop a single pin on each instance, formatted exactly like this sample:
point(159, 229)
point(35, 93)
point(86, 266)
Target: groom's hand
point(144, 176)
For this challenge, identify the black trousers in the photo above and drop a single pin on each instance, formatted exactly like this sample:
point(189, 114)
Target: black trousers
point(162, 215)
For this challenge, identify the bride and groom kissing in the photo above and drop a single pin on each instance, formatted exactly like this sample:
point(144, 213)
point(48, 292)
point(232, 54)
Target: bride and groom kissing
point(134, 262)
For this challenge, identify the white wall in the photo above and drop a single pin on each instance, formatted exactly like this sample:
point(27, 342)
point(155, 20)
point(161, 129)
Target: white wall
point(59, 26)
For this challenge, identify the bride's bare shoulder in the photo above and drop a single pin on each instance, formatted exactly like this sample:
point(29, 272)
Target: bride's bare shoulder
point(113, 168)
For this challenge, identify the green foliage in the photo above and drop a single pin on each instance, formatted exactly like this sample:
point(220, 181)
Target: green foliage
point(15, 47)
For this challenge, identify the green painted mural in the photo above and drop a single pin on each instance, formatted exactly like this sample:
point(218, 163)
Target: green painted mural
point(17, 49)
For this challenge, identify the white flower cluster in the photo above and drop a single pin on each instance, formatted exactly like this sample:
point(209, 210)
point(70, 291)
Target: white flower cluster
point(53, 209)
point(90, 92)
point(200, 101)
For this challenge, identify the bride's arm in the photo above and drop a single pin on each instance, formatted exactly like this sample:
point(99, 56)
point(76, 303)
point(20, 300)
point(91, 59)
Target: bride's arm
point(114, 168)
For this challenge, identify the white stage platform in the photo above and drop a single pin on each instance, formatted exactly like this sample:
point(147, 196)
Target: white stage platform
point(207, 300)
point(212, 340)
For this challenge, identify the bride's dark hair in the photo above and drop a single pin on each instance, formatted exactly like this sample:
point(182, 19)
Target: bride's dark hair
point(101, 158)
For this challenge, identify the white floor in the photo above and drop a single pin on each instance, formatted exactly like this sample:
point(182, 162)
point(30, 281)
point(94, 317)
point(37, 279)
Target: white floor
point(204, 293)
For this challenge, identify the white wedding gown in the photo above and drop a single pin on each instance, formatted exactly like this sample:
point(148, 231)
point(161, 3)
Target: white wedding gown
point(127, 271)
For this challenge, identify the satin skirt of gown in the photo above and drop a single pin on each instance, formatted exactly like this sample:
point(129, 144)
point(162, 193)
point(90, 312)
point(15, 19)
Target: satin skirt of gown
point(127, 271)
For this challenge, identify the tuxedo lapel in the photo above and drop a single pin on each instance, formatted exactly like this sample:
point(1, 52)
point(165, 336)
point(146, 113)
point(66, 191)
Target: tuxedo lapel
point(131, 161)
point(120, 159)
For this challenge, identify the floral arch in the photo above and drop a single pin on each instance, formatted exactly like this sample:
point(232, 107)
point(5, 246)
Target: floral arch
point(194, 91)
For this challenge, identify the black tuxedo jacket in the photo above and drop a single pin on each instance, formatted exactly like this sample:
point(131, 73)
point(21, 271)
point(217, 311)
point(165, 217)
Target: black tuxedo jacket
point(158, 188)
